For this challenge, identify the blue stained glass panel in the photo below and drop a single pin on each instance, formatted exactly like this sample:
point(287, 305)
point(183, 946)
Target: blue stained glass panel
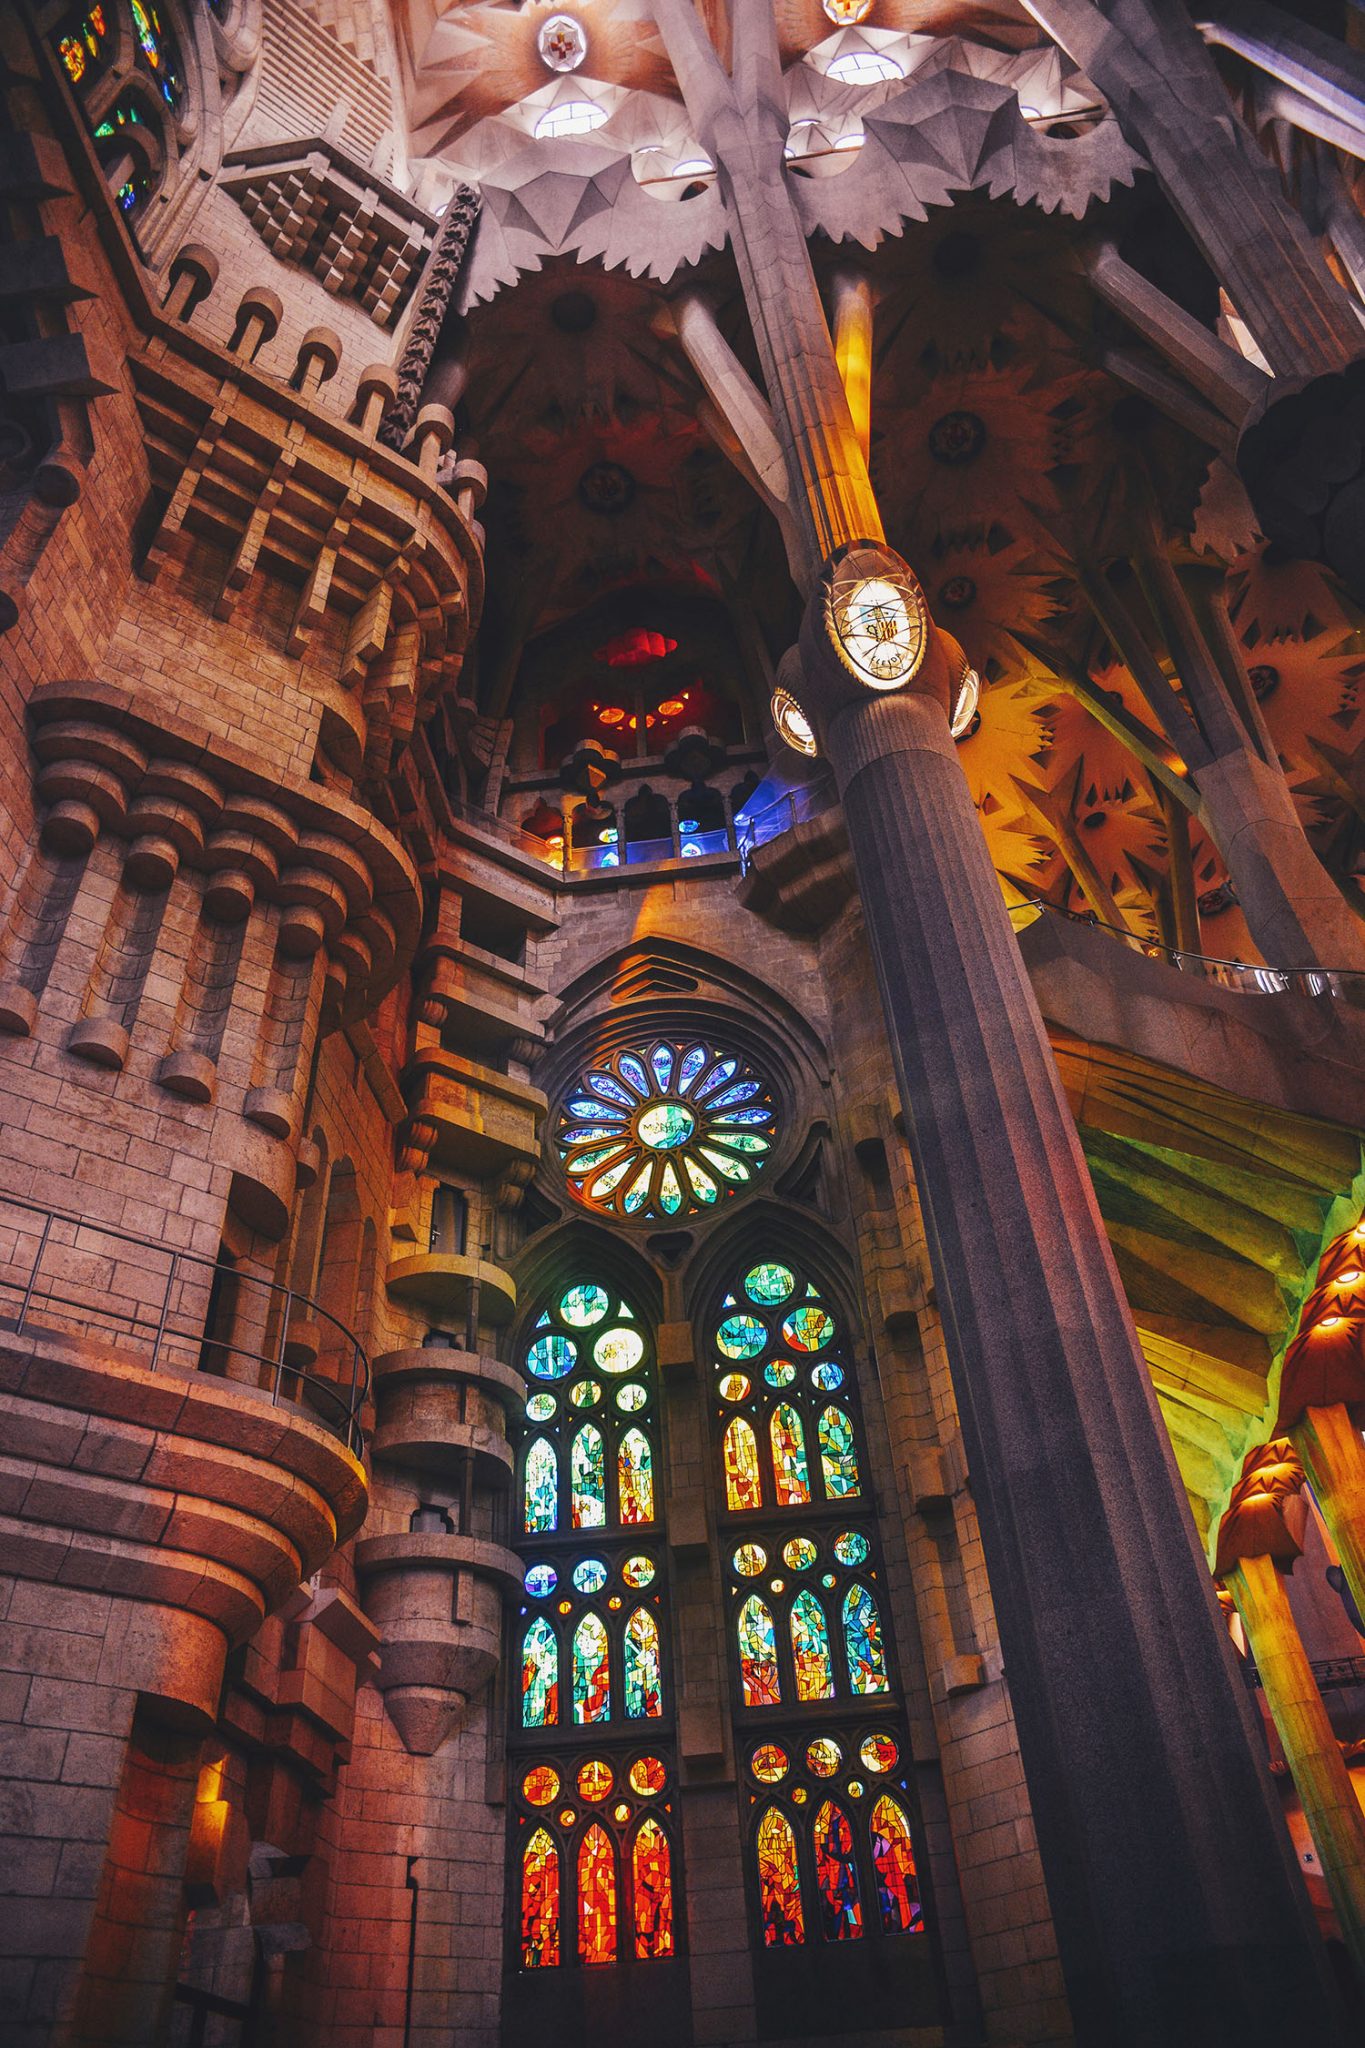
point(693, 1060)
point(606, 1085)
point(863, 1642)
point(661, 1059)
point(634, 1074)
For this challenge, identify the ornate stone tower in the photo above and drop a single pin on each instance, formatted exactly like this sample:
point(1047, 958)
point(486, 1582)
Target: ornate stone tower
point(682, 1279)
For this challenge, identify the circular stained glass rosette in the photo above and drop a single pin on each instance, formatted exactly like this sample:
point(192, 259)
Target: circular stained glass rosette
point(595, 1780)
point(590, 1576)
point(541, 1580)
point(638, 1571)
point(799, 1554)
point(851, 1547)
point(736, 1386)
point(550, 1358)
point(749, 1560)
point(584, 1306)
point(540, 1785)
point(826, 1378)
point(586, 1394)
point(768, 1284)
point(631, 1397)
point(823, 1756)
point(618, 1351)
point(780, 1373)
point(540, 1407)
point(769, 1763)
point(647, 1776)
point(878, 1753)
point(666, 1130)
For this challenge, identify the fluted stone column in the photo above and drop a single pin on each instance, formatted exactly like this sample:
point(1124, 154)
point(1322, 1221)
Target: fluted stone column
point(1179, 1911)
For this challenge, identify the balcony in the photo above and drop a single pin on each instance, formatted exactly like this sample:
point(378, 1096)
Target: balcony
point(158, 1444)
point(453, 1284)
point(482, 1120)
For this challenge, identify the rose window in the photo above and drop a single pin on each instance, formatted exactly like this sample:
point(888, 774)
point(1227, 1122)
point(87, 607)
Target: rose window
point(667, 1130)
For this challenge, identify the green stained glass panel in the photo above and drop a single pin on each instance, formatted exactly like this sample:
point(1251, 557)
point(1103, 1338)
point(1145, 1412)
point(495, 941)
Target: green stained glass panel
point(741, 1336)
point(768, 1284)
point(583, 1306)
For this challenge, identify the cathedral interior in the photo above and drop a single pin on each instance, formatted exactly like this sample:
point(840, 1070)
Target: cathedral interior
point(682, 1024)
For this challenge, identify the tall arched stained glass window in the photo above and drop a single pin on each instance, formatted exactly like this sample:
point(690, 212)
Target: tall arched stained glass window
point(540, 1902)
point(596, 1896)
point(651, 1867)
point(779, 1882)
point(595, 1863)
point(818, 1722)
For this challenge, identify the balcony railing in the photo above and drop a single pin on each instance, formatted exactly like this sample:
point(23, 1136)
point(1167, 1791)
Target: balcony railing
point(1345, 984)
point(177, 1311)
point(757, 828)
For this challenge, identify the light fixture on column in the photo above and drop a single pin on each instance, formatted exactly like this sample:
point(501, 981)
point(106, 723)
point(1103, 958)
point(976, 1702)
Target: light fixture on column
point(793, 726)
point(876, 616)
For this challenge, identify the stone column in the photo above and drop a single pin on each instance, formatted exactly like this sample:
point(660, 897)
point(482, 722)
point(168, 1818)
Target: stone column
point(1257, 1548)
point(1179, 1911)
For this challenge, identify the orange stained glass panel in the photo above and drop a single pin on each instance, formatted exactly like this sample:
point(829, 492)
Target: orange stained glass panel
point(540, 1902)
point(653, 1875)
point(743, 1488)
point(779, 1882)
point(596, 1897)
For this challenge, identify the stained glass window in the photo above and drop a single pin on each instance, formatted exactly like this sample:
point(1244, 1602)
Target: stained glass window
point(758, 1655)
point(651, 1874)
point(644, 1698)
point(779, 1882)
point(588, 1473)
point(540, 1902)
point(665, 1130)
point(596, 1858)
point(893, 1859)
point(838, 1459)
point(596, 1897)
point(789, 1456)
point(541, 1487)
point(635, 1478)
point(743, 1485)
point(863, 1642)
point(836, 1875)
point(810, 1649)
point(591, 1671)
point(539, 1676)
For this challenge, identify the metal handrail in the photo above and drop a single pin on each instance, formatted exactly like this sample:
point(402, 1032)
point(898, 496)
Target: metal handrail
point(798, 805)
point(1239, 975)
point(168, 1324)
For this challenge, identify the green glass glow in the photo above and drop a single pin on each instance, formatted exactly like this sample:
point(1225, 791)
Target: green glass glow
point(666, 1125)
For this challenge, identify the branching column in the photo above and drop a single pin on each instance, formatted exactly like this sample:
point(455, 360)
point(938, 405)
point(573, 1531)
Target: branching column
point(1178, 1907)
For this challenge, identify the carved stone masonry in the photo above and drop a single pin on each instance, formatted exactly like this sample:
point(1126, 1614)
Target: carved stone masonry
point(437, 289)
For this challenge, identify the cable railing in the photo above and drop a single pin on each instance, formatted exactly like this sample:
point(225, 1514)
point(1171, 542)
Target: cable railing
point(177, 1311)
point(1344, 983)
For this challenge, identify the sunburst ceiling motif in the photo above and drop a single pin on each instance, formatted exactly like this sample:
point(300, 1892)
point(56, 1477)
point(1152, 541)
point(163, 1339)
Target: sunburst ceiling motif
point(666, 1130)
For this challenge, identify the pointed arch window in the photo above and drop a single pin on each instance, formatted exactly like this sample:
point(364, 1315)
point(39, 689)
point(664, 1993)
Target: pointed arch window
point(540, 1902)
point(596, 1896)
point(594, 1869)
point(779, 1882)
point(827, 1790)
point(652, 1883)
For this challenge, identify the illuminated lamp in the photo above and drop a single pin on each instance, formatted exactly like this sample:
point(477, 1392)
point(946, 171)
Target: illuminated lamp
point(876, 618)
point(847, 13)
point(635, 648)
point(671, 707)
point(612, 715)
point(793, 727)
